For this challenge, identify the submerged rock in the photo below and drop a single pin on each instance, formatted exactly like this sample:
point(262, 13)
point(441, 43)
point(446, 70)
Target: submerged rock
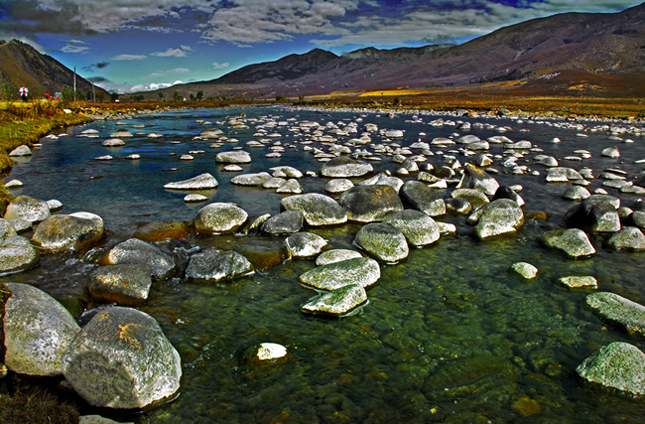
point(383, 241)
point(212, 265)
point(37, 331)
point(122, 359)
point(370, 203)
point(220, 218)
point(345, 167)
point(336, 255)
point(201, 182)
point(304, 244)
point(74, 232)
point(618, 366)
point(572, 241)
point(337, 302)
point(525, 269)
point(361, 271)
point(266, 355)
point(476, 198)
point(124, 284)
point(619, 310)
point(317, 209)
point(162, 230)
point(160, 265)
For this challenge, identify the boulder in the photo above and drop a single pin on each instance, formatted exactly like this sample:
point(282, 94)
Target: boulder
point(576, 193)
point(6, 229)
point(113, 142)
point(286, 222)
point(560, 174)
point(384, 179)
point(211, 133)
point(220, 218)
point(505, 192)
point(38, 330)
point(236, 156)
point(304, 244)
point(418, 228)
point(417, 195)
point(618, 366)
point(22, 150)
point(317, 209)
point(610, 152)
point(616, 309)
point(476, 198)
point(201, 182)
point(383, 241)
point(336, 255)
point(582, 281)
point(628, 238)
point(337, 302)
point(458, 205)
point(286, 171)
point(291, 186)
point(265, 355)
point(162, 230)
point(345, 167)
point(251, 179)
point(122, 359)
point(23, 207)
point(17, 254)
point(370, 203)
point(121, 133)
point(360, 271)
point(75, 232)
point(212, 265)
point(338, 185)
point(124, 284)
point(476, 178)
point(502, 216)
point(593, 216)
point(160, 265)
point(525, 270)
point(572, 241)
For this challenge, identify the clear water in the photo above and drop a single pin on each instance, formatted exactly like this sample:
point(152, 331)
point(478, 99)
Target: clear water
point(449, 335)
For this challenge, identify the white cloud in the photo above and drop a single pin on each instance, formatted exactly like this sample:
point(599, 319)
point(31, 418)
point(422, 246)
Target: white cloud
point(130, 57)
point(179, 70)
point(75, 46)
point(224, 65)
point(170, 53)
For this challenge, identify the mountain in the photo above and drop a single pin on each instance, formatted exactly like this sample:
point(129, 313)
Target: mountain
point(595, 51)
point(21, 64)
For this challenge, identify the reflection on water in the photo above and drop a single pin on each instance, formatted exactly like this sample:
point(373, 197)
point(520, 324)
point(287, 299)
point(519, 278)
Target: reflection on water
point(449, 335)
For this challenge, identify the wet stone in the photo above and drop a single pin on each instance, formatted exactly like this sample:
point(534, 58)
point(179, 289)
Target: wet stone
point(336, 255)
point(234, 157)
point(286, 222)
point(617, 309)
point(75, 232)
point(17, 254)
point(27, 208)
point(251, 179)
point(160, 265)
point(211, 265)
point(126, 284)
point(370, 203)
point(628, 238)
point(618, 366)
point(220, 218)
point(502, 216)
point(201, 182)
point(575, 282)
point(162, 230)
point(476, 198)
point(525, 270)
point(317, 209)
point(304, 244)
point(594, 216)
point(382, 241)
point(418, 228)
point(345, 167)
point(360, 271)
point(573, 242)
point(476, 178)
point(337, 302)
point(417, 195)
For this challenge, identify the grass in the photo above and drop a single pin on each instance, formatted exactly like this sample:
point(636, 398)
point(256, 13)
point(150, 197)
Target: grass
point(36, 407)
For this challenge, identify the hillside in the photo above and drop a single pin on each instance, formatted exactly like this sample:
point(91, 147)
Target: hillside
point(554, 53)
point(21, 64)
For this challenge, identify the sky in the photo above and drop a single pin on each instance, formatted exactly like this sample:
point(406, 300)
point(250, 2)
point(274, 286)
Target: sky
point(135, 45)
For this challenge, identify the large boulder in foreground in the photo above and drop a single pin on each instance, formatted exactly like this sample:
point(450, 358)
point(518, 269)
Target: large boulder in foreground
point(337, 302)
point(17, 254)
point(616, 309)
point(220, 218)
point(572, 241)
point(122, 359)
point(27, 208)
point(74, 232)
point(124, 284)
point(618, 366)
point(345, 167)
point(160, 265)
point(370, 203)
point(38, 330)
point(476, 178)
point(211, 265)
point(383, 241)
point(317, 209)
point(201, 182)
point(418, 228)
point(361, 271)
point(417, 195)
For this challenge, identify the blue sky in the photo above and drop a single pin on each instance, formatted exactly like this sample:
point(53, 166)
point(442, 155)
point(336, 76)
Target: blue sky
point(130, 45)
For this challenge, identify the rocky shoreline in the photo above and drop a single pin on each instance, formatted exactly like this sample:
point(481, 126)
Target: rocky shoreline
point(397, 210)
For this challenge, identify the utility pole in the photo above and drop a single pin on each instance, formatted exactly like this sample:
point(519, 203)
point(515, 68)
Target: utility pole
point(74, 84)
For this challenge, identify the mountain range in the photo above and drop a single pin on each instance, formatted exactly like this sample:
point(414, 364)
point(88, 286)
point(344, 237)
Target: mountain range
point(598, 53)
point(21, 64)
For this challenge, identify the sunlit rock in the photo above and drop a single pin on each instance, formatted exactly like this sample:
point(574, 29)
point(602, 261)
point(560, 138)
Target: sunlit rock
point(317, 209)
point(160, 265)
point(27, 208)
point(287, 222)
point(74, 232)
point(361, 271)
point(235, 157)
point(345, 167)
point(336, 255)
point(125, 284)
point(304, 244)
point(418, 228)
point(201, 182)
point(212, 265)
point(220, 218)
point(618, 366)
point(337, 302)
point(17, 254)
point(572, 241)
point(370, 203)
point(382, 241)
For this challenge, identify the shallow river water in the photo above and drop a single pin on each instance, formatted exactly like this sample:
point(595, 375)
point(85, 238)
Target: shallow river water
point(448, 335)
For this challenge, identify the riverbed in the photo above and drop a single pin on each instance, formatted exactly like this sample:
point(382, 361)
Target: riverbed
point(448, 335)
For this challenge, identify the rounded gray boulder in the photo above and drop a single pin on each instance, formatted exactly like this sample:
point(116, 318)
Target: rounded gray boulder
point(361, 271)
point(345, 167)
point(370, 203)
point(383, 241)
point(122, 359)
point(286, 222)
point(27, 208)
point(160, 265)
point(124, 284)
point(618, 366)
point(74, 232)
point(572, 241)
point(211, 265)
point(17, 254)
point(220, 218)
point(317, 209)
point(418, 228)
